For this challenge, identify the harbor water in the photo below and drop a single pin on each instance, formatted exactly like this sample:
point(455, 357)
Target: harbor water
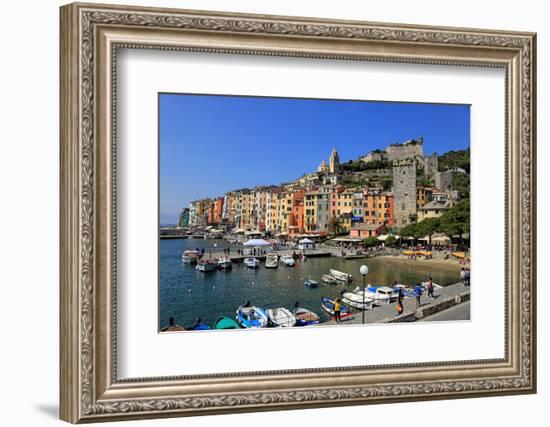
point(187, 294)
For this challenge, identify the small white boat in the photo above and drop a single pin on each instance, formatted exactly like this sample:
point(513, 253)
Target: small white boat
point(341, 276)
point(327, 278)
point(225, 262)
point(380, 295)
point(287, 260)
point(271, 261)
point(205, 265)
point(190, 257)
point(281, 317)
point(252, 262)
point(356, 300)
point(250, 316)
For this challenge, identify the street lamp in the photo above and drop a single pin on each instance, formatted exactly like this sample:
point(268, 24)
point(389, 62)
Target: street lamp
point(364, 270)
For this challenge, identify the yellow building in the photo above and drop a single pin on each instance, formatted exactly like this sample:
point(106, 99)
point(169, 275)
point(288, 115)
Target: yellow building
point(423, 196)
point(310, 211)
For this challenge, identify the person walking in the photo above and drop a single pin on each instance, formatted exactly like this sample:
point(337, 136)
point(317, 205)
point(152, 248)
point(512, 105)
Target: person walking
point(400, 296)
point(418, 291)
point(463, 276)
point(431, 288)
point(337, 308)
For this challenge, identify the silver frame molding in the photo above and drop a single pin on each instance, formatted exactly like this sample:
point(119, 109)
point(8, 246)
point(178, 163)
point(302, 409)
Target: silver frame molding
point(90, 37)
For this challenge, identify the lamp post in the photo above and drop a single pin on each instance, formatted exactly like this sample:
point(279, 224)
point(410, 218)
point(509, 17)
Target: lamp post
point(364, 270)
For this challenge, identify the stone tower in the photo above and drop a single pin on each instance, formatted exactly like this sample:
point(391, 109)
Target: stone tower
point(334, 161)
point(404, 191)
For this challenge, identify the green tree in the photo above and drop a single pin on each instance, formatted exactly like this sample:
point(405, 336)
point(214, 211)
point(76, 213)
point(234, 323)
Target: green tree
point(457, 219)
point(390, 241)
point(451, 159)
point(371, 241)
point(428, 227)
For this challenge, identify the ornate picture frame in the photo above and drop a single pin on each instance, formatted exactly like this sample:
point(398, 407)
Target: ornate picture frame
point(90, 37)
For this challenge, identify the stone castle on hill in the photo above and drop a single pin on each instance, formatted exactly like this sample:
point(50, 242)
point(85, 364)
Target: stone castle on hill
point(337, 198)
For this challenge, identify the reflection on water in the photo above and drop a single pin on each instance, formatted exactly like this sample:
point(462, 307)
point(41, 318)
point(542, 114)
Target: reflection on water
point(187, 294)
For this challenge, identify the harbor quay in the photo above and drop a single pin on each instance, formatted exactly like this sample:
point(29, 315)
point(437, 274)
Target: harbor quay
point(445, 297)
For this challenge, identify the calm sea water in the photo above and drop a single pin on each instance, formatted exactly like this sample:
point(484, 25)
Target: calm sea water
point(187, 294)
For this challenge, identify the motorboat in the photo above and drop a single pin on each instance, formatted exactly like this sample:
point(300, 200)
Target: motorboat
point(189, 257)
point(305, 317)
point(380, 297)
point(252, 262)
point(226, 323)
point(271, 260)
point(225, 262)
point(384, 290)
point(328, 305)
point(358, 301)
point(250, 316)
point(310, 283)
point(205, 265)
point(341, 276)
point(287, 260)
point(281, 317)
point(407, 292)
point(327, 278)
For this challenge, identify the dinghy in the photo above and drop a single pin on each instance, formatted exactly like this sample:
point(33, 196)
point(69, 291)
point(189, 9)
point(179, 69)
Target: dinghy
point(327, 278)
point(341, 276)
point(198, 326)
point(305, 317)
point(190, 257)
point(252, 262)
point(380, 297)
point(310, 283)
point(205, 265)
point(224, 262)
point(328, 305)
point(272, 260)
point(287, 260)
point(226, 323)
point(384, 290)
point(250, 316)
point(281, 317)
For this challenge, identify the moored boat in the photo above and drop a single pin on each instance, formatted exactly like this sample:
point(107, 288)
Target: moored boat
point(198, 326)
point(225, 262)
point(328, 305)
point(305, 317)
point(310, 283)
point(205, 265)
point(341, 276)
point(327, 278)
point(281, 317)
point(252, 262)
point(272, 260)
point(357, 300)
point(250, 316)
point(380, 296)
point(385, 290)
point(226, 323)
point(189, 257)
point(287, 260)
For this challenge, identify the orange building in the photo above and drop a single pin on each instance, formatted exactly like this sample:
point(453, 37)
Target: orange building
point(217, 210)
point(296, 219)
point(378, 207)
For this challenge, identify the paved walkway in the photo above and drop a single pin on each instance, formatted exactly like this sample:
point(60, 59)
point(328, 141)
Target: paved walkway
point(377, 314)
point(458, 312)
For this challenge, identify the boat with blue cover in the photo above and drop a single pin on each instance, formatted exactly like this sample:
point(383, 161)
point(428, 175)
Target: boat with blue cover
point(250, 316)
point(198, 326)
point(310, 283)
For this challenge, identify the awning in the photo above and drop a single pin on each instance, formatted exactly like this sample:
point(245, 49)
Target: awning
point(305, 241)
point(256, 242)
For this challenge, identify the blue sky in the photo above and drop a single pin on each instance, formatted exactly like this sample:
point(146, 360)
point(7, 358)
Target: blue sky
point(212, 144)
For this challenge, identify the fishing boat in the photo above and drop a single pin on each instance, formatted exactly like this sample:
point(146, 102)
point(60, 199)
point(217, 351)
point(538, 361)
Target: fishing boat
point(226, 323)
point(189, 257)
point(198, 326)
point(252, 262)
point(271, 260)
point(287, 260)
point(328, 305)
point(327, 278)
point(225, 262)
point(250, 316)
point(356, 300)
point(205, 265)
point(310, 283)
point(281, 317)
point(305, 317)
point(341, 276)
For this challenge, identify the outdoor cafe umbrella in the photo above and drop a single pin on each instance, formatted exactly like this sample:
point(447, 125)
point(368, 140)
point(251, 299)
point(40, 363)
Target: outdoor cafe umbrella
point(256, 243)
point(305, 241)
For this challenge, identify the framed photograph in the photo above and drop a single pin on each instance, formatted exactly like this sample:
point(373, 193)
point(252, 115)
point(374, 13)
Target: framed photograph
point(266, 213)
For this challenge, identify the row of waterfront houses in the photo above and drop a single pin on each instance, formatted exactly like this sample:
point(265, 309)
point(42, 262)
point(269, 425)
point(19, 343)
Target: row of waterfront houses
point(324, 209)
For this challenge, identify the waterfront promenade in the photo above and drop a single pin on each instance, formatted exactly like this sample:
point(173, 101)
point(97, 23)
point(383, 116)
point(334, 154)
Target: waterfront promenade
point(386, 313)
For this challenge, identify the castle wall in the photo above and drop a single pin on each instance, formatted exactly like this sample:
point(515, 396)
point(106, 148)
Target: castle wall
point(404, 191)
